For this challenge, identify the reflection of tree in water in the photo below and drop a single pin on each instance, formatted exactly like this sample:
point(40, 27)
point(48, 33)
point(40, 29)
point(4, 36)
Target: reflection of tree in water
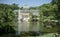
point(33, 26)
point(7, 30)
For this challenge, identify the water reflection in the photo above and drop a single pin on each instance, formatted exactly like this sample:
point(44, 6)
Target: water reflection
point(28, 26)
point(34, 26)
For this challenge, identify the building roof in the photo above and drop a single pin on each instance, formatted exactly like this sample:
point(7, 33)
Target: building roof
point(34, 12)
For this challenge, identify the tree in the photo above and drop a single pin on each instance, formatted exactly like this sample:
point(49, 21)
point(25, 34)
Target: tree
point(33, 8)
point(57, 2)
point(47, 14)
point(14, 6)
point(21, 8)
point(53, 2)
point(8, 18)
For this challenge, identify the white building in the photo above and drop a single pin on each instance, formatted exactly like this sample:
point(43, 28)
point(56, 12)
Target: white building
point(25, 13)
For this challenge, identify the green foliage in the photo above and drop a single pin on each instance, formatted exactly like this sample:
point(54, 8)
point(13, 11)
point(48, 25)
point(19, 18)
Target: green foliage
point(21, 8)
point(7, 16)
point(47, 14)
point(48, 9)
point(14, 6)
point(33, 8)
point(53, 2)
point(57, 2)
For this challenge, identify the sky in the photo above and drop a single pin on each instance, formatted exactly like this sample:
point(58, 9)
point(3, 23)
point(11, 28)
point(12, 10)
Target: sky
point(27, 2)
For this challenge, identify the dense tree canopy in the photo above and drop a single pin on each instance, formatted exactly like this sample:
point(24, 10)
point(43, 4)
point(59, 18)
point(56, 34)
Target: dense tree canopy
point(8, 16)
point(50, 16)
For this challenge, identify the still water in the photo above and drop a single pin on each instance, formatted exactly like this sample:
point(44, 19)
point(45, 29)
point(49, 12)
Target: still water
point(28, 26)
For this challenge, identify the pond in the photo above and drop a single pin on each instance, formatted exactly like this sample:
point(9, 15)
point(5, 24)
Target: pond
point(24, 26)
